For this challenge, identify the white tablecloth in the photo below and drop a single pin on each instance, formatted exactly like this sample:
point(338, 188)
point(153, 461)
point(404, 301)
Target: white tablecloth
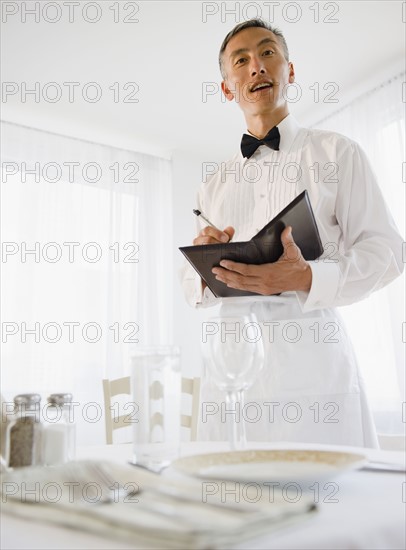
point(370, 512)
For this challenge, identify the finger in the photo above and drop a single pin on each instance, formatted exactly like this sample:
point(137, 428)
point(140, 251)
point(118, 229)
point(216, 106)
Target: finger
point(237, 281)
point(216, 234)
point(237, 267)
point(227, 277)
point(204, 240)
point(230, 231)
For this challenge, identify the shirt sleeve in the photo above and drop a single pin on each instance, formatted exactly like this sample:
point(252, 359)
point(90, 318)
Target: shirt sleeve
point(369, 255)
point(192, 288)
point(191, 281)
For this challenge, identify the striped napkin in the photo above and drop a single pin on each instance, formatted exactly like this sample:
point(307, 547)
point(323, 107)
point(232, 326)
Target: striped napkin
point(134, 505)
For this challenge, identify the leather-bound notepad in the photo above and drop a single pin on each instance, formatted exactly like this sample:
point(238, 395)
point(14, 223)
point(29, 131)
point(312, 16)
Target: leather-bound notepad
point(264, 247)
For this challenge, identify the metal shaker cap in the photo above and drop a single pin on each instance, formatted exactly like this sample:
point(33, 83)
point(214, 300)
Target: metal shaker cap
point(27, 399)
point(60, 398)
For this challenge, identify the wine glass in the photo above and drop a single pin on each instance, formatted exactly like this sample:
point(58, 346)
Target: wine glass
point(233, 352)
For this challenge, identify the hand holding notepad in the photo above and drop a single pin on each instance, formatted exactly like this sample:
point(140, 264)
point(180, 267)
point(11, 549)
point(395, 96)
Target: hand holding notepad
point(264, 247)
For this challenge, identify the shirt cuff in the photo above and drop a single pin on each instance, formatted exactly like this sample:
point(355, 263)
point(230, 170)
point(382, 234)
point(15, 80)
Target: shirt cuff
point(203, 298)
point(198, 294)
point(325, 281)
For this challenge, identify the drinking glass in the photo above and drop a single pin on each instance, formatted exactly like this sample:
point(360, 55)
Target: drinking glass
point(156, 390)
point(233, 352)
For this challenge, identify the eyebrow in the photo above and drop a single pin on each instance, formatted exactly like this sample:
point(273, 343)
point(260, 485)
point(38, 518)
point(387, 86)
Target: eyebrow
point(260, 43)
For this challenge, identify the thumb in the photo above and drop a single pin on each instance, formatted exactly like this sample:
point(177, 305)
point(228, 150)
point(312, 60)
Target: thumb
point(230, 232)
point(286, 237)
point(290, 249)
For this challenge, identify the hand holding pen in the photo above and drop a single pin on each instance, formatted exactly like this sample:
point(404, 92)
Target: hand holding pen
point(211, 234)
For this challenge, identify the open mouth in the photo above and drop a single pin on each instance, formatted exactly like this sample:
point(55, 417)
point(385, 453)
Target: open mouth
point(261, 86)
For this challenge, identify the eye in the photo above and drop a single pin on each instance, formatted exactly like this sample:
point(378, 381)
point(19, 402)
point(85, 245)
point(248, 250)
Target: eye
point(240, 60)
point(268, 52)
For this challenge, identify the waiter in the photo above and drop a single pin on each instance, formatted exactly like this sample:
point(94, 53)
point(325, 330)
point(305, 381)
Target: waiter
point(310, 388)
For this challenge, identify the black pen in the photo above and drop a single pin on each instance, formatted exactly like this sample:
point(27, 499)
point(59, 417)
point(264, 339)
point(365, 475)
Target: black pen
point(198, 213)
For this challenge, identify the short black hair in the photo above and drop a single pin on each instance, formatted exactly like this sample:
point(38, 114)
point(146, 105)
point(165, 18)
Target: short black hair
point(247, 25)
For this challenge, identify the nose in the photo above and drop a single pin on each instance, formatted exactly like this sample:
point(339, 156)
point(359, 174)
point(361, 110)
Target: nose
point(257, 66)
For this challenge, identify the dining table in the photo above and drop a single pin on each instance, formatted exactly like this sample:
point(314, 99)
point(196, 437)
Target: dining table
point(361, 508)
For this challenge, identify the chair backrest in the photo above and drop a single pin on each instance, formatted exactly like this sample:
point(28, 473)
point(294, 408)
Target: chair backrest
point(111, 388)
point(191, 386)
point(122, 386)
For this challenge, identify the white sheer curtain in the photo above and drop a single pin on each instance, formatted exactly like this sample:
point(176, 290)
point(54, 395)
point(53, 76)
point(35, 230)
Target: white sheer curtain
point(87, 302)
point(377, 122)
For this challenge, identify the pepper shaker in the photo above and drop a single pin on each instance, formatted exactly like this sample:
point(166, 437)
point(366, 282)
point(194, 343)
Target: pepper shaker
point(23, 434)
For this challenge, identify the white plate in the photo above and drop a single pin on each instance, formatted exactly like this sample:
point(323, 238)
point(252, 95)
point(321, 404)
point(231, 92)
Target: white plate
point(269, 466)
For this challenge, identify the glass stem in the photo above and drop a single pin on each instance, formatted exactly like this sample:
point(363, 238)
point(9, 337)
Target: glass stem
point(242, 438)
point(235, 420)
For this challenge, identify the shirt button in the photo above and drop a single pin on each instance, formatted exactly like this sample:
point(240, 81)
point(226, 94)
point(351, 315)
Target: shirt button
point(262, 196)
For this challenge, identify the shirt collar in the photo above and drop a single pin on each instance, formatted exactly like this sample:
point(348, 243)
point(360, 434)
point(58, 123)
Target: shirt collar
point(288, 129)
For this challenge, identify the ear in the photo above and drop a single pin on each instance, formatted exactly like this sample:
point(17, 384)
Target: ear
point(226, 91)
point(291, 73)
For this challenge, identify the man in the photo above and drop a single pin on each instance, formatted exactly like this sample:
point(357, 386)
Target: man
point(310, 388)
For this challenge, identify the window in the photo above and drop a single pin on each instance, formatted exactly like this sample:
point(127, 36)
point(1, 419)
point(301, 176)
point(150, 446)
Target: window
point(86, 233)
point(377, 122)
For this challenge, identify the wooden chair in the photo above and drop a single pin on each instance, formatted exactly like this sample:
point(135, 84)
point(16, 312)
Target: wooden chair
point(191, 386)
point(122, 386)
point(111, 388)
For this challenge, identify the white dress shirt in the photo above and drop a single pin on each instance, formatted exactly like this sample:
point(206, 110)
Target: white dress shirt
point(362, 253)
point(362, 246)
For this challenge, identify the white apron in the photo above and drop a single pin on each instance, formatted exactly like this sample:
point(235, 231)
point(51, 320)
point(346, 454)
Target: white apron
point(309, 390)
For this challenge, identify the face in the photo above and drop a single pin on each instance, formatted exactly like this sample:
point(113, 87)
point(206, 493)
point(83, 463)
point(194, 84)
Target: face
point(257, 72)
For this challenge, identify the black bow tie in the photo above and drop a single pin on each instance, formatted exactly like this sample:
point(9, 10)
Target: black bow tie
point(249, 144)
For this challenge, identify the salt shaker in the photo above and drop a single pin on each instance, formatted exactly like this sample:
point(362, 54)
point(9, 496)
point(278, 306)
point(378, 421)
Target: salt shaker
point(24, 432)
point(58, 439)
